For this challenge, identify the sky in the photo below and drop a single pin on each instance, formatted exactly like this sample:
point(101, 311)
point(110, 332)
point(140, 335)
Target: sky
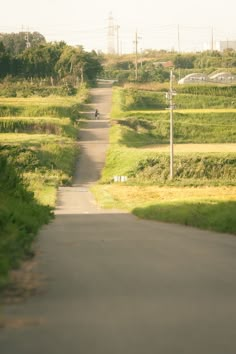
point(184, 25)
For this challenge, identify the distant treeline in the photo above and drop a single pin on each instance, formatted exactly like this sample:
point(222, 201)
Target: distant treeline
point(28, 55)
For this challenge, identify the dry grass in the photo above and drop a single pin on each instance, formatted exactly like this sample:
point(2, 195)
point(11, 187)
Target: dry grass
point(8, 138)
point(25, 281)
point(129, 197)
point(35, 100)
point(185, 148)
point(187, 110)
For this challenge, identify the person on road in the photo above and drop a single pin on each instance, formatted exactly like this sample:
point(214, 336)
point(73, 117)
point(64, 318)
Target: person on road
point(96, 114)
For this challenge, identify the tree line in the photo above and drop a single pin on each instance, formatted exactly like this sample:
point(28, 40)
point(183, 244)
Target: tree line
point(28, 55)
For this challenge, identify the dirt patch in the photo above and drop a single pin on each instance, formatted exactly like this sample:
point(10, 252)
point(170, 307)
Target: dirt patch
point(17, 323)
point(24, 282)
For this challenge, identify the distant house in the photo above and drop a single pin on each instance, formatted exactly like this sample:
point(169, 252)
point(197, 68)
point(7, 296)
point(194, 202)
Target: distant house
point(193, 78)
point(223, 77)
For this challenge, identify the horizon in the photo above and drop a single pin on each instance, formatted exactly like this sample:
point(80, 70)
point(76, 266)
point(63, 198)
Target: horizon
point(184, 29)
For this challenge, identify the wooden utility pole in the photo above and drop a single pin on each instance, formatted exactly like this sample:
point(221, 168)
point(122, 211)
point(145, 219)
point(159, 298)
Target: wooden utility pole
point(212, 40)
point(117, 40)
point(178, 40)
point(136, 55)
point(171, 127)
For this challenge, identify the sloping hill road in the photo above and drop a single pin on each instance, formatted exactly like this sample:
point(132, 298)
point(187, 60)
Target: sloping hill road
point(119, 285)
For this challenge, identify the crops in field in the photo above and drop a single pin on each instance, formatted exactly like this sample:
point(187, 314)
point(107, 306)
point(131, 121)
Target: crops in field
point(38, 150)
point(38, 125)
point(202, 193)
point(133, 99)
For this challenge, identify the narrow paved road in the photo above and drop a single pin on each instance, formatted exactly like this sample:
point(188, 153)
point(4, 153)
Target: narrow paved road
point(119, 285)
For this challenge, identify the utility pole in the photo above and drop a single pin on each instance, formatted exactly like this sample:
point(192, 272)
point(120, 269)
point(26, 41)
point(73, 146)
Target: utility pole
point(170, 95)
point(117, 40)
point(121, 49)
point(28, 45)
point(178, 40)
point(212, 40)
point(111, 35)
point(136, 54)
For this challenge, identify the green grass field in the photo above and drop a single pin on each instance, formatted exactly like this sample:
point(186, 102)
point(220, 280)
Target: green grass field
point(38, 149)
point(203, 192)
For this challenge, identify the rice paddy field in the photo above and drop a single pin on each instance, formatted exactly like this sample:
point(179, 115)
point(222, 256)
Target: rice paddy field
point(38, 150)
point(203, 191)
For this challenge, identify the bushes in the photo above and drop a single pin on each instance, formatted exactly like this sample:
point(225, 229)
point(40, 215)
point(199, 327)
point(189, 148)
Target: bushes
point(134, 99)
point(48, 159)
point(193, 166)
point(212, 215)
point(32, 167)
point(20, 218)
point(24, 171)
point(28, 90)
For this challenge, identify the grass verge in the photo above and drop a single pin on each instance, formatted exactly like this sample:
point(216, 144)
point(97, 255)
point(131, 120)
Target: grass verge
point(205, 207)
point(203, 193)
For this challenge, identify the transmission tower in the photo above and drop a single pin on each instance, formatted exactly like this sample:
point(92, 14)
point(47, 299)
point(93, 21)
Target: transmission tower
point(28, 44)
point(111, 35)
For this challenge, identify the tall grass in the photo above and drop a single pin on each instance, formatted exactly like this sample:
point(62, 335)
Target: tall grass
point(38, 150)
point(9, 110)
point(38, 125)
point(20, 218)
point(133, 99)
point(146, 129)
point(212, 215)
point(149, 191)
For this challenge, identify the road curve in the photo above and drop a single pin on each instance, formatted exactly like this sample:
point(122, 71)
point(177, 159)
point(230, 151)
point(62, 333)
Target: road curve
point(119, 285)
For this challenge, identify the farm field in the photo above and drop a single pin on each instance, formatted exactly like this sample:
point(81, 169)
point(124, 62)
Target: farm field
point(203, 193)
point(38, 149)
point(189, 148)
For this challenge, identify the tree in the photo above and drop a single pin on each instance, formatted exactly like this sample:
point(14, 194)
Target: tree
point(78, 65)
point(15, 43)
point(4, 61)
point(41, 61)
point(152, 72)
point(184, 61)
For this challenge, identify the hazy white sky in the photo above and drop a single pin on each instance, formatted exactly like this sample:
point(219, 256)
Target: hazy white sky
point(85, 22)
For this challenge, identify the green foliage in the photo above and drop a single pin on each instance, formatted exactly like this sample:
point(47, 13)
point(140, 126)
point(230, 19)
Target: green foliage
point(141, 129)
point(56, 60)
point(184, 61)
point(151, 167)
point(188, 166)
point(212, 215)
point(33, 168)
point(131, 99)
point(20, 218)
point(188, 97)
point(208, 90)
point(151, 72)
point(46, 125)
point(185, 101)
point(15, 44)
point(72, 111)
point(26, 89)
point(27, 175)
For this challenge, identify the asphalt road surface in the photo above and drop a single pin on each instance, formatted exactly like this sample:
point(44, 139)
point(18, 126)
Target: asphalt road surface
point(119, 285)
